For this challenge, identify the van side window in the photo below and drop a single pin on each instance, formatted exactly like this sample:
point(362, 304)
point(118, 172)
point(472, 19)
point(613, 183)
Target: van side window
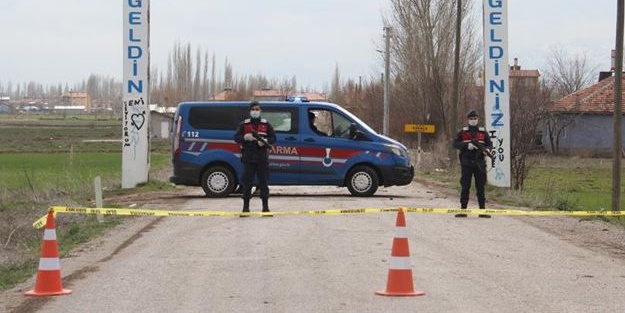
point(214, 117)
point(340, 126)
point(283, 120)
point(329, 123)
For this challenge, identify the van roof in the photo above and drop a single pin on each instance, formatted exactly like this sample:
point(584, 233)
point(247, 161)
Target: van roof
point(184, 107)
point(262, 103)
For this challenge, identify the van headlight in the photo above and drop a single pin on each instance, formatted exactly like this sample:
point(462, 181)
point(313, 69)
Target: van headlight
point(398, 151)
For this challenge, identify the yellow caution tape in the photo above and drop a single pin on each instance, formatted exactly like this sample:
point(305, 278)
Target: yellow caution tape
point(145, 212)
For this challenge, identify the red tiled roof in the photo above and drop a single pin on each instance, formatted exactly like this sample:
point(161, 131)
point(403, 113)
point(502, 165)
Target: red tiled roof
point(224, 95)
point(269, 93)
point(596, 99)
point(312, 96)
point(524, 73)
point(76, 94)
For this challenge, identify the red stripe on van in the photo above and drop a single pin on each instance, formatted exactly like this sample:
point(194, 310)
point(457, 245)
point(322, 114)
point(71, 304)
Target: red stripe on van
point(232, 147)
point(321, 152)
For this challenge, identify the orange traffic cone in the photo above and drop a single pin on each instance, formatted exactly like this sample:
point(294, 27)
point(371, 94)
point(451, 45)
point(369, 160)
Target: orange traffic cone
point(399, 282)
point(49, 273)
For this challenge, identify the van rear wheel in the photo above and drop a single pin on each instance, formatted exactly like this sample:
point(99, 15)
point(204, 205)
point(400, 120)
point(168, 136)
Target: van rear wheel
point(363, 181)
point(218, 181)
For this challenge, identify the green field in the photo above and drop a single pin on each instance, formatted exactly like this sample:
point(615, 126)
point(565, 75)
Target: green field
point(50, 160)
point(574, 189)
point(42, 154)
point(50, 134)
point(66, 173)
point(554, 183)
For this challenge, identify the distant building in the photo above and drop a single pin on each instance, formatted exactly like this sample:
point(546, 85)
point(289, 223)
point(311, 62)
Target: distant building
point(311, 96)
point(523, 78)
point(588, 119)
point(226, 95)
point(281, 95)
point(160, 124)
point(270, 95)
point(77, 98)
point(5, 107)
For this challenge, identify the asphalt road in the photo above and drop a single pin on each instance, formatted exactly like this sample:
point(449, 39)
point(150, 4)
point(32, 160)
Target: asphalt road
point(336, 263)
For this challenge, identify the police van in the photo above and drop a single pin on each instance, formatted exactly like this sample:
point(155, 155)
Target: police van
point(318, 143)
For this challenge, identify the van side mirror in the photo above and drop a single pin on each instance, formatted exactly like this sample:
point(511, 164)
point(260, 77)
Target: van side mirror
point(356, 134)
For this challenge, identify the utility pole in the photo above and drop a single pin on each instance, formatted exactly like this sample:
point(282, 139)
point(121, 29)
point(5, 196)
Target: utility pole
point(387, 80)
point(618, 108)
point(456, 82)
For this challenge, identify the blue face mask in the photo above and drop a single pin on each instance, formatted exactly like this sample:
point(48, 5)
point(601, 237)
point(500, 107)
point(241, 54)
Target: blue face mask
point(255, 114)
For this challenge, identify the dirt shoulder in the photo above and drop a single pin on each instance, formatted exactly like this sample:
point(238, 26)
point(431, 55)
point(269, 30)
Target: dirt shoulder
point(589, 233)
point(102, 248)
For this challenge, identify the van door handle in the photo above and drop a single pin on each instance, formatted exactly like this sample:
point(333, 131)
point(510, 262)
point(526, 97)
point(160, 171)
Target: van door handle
point(309, 140)
point(290, 138)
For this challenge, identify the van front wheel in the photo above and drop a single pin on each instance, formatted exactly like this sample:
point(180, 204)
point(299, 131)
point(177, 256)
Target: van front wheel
point(218, 181)
point(362, 181)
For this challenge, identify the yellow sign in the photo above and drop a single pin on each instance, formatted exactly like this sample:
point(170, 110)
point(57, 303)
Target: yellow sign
point(419, 128)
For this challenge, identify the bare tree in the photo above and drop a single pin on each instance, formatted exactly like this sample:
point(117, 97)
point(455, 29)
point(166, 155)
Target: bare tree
point(556, 124)
point(566, 73)
point(197, 83)
point(422, 61)
point(529, 104)
point(213, 82)
point(336, 94)
point(205, 94)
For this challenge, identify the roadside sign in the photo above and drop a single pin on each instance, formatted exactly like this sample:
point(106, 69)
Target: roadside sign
point(419, 128)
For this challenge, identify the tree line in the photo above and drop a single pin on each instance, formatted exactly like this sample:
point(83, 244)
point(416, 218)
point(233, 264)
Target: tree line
point(422, 66)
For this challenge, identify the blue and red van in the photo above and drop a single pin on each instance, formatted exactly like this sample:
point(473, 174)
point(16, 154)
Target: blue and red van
point(318, 143)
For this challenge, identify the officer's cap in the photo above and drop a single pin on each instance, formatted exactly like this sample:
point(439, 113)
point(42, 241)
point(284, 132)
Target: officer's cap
point(254, 103)
point(472, 113)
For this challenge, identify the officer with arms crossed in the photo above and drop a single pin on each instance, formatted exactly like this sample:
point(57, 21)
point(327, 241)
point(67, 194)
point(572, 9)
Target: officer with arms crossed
point(255, 135)
point(473, 142)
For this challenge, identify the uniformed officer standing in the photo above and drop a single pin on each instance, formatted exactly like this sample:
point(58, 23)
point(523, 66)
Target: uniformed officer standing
point(472, 160)
point(255, 135)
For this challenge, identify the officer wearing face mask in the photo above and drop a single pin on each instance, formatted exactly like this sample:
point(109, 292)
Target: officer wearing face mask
point(255, 135)
point(472, 160)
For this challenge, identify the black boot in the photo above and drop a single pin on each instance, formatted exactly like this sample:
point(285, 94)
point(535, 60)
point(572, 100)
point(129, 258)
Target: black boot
point(461, 214)
point(483, 215)
point(246, 208)
point(266, 207)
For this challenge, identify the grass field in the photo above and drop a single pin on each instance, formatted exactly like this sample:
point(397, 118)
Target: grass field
point(554, 183)
point(48, 134)
point(574, 189)
point(31, 182)
point(63, 172)
point(44, 161)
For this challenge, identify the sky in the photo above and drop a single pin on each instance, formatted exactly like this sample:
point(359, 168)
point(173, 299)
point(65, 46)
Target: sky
point(67, 40)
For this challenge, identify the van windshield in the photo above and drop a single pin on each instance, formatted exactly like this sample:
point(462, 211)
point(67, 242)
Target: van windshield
point(358, 122)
